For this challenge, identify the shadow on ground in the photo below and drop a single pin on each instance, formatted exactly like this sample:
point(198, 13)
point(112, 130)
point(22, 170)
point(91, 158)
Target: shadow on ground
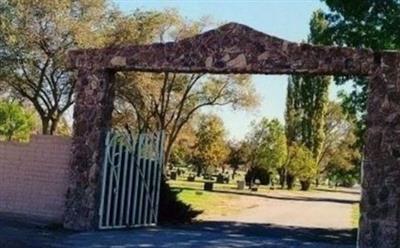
point(332, 236)
point(345, 191)
point(284, 198)
point(14, 234)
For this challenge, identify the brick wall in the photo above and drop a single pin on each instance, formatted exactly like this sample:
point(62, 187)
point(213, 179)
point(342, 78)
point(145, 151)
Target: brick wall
point(34, 176)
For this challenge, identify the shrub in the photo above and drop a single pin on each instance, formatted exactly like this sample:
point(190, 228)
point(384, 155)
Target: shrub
point(259, 173)
point(171, 209)
point(302, 165)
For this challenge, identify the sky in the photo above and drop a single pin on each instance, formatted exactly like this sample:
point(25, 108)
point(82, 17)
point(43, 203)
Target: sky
point(287, 19)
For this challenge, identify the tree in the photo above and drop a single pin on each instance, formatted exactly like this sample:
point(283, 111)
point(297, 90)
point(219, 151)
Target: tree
point(15, 122)
point(34, 39)
point(302, 165)
point(341, 168)
point(306, 103)
point(367, 24)
point(340, 154)
point(292, 126)
point(180, 155)
point(210, 150)
point(169, 101)
point(184, 147)
point(267, 143)
point(238, 155)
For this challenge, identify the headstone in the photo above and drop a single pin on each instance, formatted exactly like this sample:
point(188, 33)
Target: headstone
point(191, 178)
point(208, 186)
point(173, 175)
point(220, 178)
point(240, 185)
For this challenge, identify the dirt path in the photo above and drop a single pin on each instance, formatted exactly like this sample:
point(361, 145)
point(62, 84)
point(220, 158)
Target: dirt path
point(317, 209)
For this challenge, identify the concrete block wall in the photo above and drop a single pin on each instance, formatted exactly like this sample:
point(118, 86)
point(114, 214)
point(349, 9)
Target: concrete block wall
point(34, 177)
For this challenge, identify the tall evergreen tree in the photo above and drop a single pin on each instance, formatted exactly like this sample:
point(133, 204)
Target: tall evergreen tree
point(291, 127)
point(306, 104)
point(307, 99)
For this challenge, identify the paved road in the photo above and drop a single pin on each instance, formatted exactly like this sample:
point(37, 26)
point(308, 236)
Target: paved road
point(217, 235)
point(284, 230)
point(209, 234)
point(315, 209)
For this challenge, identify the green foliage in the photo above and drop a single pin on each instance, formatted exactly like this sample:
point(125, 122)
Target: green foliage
point(306, 103)
point(34, 39)
point(180, 155)
point(371, 24)
point(301, 162)
point(15, 122)
point(238, 154)
point(340, 155)
point(260, 173)
point(211, 149)
point(183, 147)
point(268, 145)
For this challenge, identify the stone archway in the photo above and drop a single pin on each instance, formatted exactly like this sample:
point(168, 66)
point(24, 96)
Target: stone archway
point(235, 48)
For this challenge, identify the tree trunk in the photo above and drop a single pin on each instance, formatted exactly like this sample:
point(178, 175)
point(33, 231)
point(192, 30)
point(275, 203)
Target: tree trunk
point(289, 181)
point(234, 173)
point(282, 177)
point(49, 125)
point(53, 126)
point(198, 170)
point(305, 185)
point(45, 125)
point(10, 135)
point(167, 154)
point(317, 182)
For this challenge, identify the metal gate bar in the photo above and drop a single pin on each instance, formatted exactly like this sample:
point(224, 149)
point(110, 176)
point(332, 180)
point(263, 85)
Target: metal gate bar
point(131, 178)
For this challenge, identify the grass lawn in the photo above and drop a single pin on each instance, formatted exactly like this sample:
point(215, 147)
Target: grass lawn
point(213, 204)
point(218, 203)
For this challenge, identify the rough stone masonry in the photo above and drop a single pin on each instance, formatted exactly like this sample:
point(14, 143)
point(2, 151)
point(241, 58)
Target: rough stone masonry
point(236, 48)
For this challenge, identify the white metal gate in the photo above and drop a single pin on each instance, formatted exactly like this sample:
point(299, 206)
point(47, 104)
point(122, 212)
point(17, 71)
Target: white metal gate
point(131, 179)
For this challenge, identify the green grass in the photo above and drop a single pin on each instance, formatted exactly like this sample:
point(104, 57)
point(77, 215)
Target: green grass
point(214, 203)
point(355, 215)
point(211, 203)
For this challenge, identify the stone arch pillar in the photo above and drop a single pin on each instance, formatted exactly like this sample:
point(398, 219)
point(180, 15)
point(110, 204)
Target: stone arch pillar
point(94, 96)
point(380, 201)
